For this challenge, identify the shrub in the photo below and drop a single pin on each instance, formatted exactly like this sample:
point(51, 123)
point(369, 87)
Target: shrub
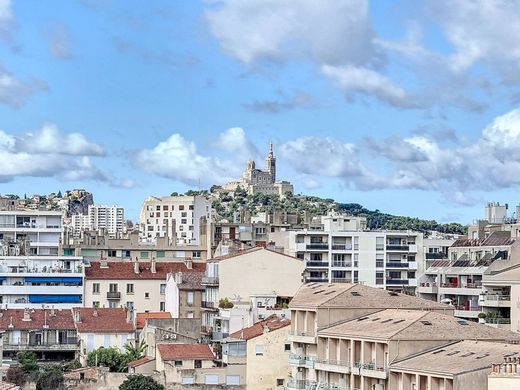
point(225, 303)
point(50, 378)
point(28, 361)
point(15, 375)
point(140, 382)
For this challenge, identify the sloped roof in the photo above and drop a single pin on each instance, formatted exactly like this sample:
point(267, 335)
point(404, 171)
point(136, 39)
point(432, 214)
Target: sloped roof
point(103, 320)
point(140, 318)
point(417, 325)
point(185, 351)
point(252, 250)
point(458, 358)
point(348, 295)
point(125, 270)
point(498, 238)
point(191, 281)
point(62, 319)
point(273, 322)
point(140, 362)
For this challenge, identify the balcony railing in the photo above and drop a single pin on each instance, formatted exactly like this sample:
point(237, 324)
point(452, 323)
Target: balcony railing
point(297, 384)
point(391, 247)
point(341, 280)
point(397, 281)
point(343, 363)
point(68, 343)
point(113, 295)
point(341, 247)
point(342, 264)
point(396, 265)
point(210, 280)
point(206, 329)
point(313, 279)
point(370, 366)
point(296, 360)
point(324, 246)
point(317, 264)
point(498, 321)
point(467, 285)
point(496, 297)
point(208, 305)
point(436, 256)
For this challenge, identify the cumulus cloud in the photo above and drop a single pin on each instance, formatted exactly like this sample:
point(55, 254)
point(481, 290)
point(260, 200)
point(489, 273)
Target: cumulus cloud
point(33, 154)
point(15, 92)
point(59, 42)
point(7, 20)
point(235, 141)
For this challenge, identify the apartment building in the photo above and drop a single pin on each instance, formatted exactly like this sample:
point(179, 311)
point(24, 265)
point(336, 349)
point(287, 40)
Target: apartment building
point(184, 294)
point(171, 216)
point(40, 231)
point(140, 286)
point(255, 283)
point(36, 281)
point(99, 245)
point(458, 278)
point(49, 333)
point(100, 217)
point(340, 250)
point(506, 374)
point(318, 306)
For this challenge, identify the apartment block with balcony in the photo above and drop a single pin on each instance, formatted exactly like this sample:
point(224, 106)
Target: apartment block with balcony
point(99, 217)
point(49, 333)
point(41, 231)
point(317, 306)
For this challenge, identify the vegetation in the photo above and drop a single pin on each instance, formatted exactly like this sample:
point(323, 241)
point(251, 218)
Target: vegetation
point(225, 303)
point(140, 382)
point(50, 378)
point(28, 361)
point(73, 365)
point(15, 375)
point(115, 360)
point(134, 352)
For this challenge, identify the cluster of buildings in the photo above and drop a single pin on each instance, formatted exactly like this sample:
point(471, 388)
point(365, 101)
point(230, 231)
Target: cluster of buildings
point(272, 303)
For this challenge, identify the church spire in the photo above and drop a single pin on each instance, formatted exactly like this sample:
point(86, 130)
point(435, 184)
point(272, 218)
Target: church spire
point(270, 163)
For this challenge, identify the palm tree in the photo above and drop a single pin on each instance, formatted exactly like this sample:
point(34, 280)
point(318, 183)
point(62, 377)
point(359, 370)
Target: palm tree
point(134, 352)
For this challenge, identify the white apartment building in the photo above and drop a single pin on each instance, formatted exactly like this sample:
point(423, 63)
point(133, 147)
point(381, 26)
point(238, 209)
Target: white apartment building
point(174, 216)
point(36, 281)
point(341, 250)
point(40, 231)
point(109, 218)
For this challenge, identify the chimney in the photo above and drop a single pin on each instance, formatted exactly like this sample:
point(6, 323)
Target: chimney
point(45, 324)
point(103, 264)
point(178, 278)
point(189, 262)
point(95, 313)
point(77, 316)
point(26, 315)
point(153, 267)
point(136, 266)
point(53, 312)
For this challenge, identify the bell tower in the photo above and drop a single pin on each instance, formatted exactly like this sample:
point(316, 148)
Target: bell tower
point(270, 163)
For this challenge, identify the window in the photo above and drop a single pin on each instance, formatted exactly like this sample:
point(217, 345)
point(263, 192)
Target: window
point(189, 298)
point(130, 288)
point(411, 275)
point(187, 380)
point(144, 255)
point(356, 243)
point(113, 287)
point(126, 253)
point(158, 207)
point(181, 207)
point(184, 214)
point(232, 380)
point(95, 304)
point(106, 341)
point(195, 254)
point(178, 363)
point(113, 304)
point(191, 227)
point(198, 363)
point(211, 379)
point(189, 314)
point(95, 288)
point(190, 207)
point(356, 276)
point(162, 306)
point(147, 295)
point(259, 350)
point(165, 207)
point(184, 221)
point(163, 288)
point(356, 259)
point(380, 276)
point(279, 382)
point(130, 305)
point(160, 254)
point(287, 347)
point(380, 260)
point(112, 253)
point(380, 243)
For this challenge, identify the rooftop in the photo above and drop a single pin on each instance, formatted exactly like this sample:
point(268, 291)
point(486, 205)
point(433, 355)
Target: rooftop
point(140, 362)
point(396, 324)
point(141, 318)
point(499, 238)
point(55, 319)
point(348, 295)
point(273, 322)
point(103, 320)
point(251, 250)
point(458, 358)
point(185, 351)
point(125, 270)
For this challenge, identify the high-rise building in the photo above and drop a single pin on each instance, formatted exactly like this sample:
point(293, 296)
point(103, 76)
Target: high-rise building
point(109, 218)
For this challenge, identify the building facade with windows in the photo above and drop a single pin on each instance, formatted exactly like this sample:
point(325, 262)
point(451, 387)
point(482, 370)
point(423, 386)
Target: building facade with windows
point(176, 217)
point(100, 217)
point(184, 294)
point(140, 286)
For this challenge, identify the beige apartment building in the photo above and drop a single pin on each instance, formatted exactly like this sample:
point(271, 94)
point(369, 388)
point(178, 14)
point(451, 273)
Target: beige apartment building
point(184, 294)
point(506, 374)
point(140, 286)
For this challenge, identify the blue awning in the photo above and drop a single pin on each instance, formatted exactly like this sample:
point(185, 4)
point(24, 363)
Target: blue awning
point(3, 278)
point(54, 298)
point(52, 280)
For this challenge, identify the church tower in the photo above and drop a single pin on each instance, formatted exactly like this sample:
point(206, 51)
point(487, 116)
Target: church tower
point(270, 163)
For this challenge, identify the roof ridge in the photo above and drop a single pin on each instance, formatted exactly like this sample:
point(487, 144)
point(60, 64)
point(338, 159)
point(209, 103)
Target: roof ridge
point(339, 292)
point(423, 314)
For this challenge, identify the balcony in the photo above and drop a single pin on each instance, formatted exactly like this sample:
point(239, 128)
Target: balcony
point(339, 366)
point(436, 256)
point(209, 305)
point(113, 295)
point(396, 265)
point(317, 264)
point(302, 337)
point(206, 329)
point(296, 360)
point(312, 279)
point(501, 323)
point(428, 288)
point(471, 312)
point(300, 384)
point(318, 246)
point(495, 300)
point(210, 281)
point(309, 361)
point(71, 344)
point(370, 370)
point(397, 282)
point(342, 264)
point(461, 289)
point(341, 247)
point(341, 280)
point(398, 248)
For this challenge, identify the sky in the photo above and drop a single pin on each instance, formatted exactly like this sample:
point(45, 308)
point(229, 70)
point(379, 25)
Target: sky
point(408, 107)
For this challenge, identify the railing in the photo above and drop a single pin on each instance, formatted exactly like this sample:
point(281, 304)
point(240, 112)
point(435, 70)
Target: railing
point(396, 265)
point(436, 256)
point(208, 305)
point(113, 295)
point(316, 280)
point(341, 280)
point(498, 321)
point(317, 264)
point(341, 247)
point(209, 280)
point(497, 297)
point(297, 384)
point(318, 246)
point(370, 366)
point(206, 329)
point(295, 359)
point(428, 284)
point(343, 363)
point(397, 281)
point(27, 343)
point(467, 285)
point(44, 270)
point(390, 247)
point(341, 264)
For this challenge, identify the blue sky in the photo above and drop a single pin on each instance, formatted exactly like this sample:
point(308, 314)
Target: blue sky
point(408, 107)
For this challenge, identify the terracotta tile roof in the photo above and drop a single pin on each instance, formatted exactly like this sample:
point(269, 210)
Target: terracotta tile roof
point(499, 238)
point(125, 270)
point(140, 362)
point(8, 386)
point(62, 319)
point(141, 318)
point(185, 351)
point(103, 320)
point(192, 281)
point(273, 322)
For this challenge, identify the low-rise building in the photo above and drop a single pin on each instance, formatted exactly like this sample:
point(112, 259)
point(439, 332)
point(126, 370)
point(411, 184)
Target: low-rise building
point(506, 374)
point(184, 294)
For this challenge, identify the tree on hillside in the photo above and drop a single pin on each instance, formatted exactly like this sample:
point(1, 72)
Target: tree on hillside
point(140, 382)
point(50, 378)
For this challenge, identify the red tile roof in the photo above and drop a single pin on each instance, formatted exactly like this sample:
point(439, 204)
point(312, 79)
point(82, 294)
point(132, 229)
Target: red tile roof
point(192, 281)
point(125, 270)
point(61, 319)
point(185, 351)
point(8, 386)
point(103, 320)
point(272, 322)
point(141, 318)
point(140, 362)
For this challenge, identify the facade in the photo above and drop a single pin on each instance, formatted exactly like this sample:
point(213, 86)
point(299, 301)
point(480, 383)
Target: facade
point(140, 286)
point(256, 282)
point(257, 181)
point(174, 216)
point(505, 375)
point(340, 250)
point(39, 231)
point(49, 333)
point(99, 217)
point(184, 294)
point(107, 328)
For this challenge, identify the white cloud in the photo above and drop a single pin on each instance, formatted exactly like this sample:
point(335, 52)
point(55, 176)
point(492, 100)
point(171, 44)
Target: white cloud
point(30, 155)
point(15, 92)
point(7, 20)
point(234, 140)
point(59, 42)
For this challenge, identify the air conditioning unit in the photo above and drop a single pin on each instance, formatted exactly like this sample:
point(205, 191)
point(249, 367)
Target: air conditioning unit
point(166, 337)
point(261, 316)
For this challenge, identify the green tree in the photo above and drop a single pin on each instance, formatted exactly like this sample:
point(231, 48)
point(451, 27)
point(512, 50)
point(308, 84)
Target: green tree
point(27, 361)
point(140, 382)
point(73, 365)
point(15, 375)
point(134, 352)
point(50, 378)
point(108, 357)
